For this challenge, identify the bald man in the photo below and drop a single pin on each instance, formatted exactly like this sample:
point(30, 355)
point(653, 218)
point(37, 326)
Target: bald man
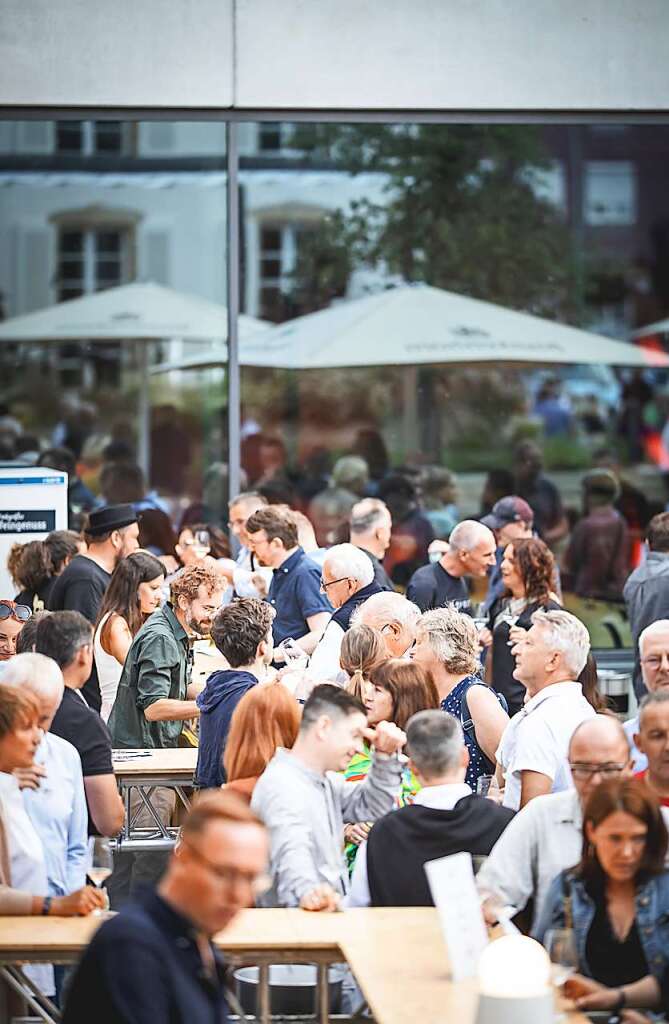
point(654, 661)
point(471, 552)
point(545, 837)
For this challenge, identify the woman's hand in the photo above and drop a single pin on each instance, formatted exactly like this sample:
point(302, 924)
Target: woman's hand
point(485, 637)
point(80, 903)
point(590, 995)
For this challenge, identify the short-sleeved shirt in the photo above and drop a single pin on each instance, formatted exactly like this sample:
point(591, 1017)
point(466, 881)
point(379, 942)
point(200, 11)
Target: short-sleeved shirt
point(80, 588)
point(295, 594)
point(432, 587)
point(157, 667)
point(84, 729)
point(537, 738)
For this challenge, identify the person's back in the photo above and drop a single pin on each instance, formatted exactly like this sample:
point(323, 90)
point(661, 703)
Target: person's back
point(402, 842)
point(646, 592)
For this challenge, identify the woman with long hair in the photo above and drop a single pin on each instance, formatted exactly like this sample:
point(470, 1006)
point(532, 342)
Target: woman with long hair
point(615, 902)
point(528, 573)
point(37, 564)
point(134, 592)
point(267, 717)
point(398, 690)
point(362, 649)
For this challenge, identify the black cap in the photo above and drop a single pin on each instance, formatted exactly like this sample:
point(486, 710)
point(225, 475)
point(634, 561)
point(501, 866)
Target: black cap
point(112, 517)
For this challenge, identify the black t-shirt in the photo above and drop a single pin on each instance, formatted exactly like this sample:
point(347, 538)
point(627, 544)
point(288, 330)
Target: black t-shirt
point(84, 729)
point(37, 600)
point(80, 588)
point(433, 587)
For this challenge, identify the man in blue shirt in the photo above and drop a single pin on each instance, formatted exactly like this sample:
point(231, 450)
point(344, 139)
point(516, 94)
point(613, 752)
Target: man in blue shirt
point(242, 632)
point(302, 610)
point(154, 961)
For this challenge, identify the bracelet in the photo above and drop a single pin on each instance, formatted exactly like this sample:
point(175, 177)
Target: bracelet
point(621, 1001)
point(46, 905)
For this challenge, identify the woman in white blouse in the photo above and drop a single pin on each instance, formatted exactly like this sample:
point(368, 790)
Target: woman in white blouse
point(134, 592)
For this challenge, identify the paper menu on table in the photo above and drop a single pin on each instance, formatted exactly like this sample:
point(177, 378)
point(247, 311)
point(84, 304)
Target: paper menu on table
point(451, 881)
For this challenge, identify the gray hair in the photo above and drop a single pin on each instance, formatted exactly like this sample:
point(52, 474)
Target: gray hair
point(386, 608)
point(435, 741)
point(649, 701)
point(36, 673)
point(467, 534)
point(350, 469)
point(659, 626)
point(368, 514)
point(452, 637)
point(564, 633)
point(347, 561)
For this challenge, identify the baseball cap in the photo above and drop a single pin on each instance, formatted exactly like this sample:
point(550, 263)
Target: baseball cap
point(511, 509)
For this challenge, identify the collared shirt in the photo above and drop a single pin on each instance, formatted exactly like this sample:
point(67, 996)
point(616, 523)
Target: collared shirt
point(57, 810)
point(295, 594)
point(537, 738)
point(305, 812)
point(157, 667)
point(143, 967)
point(439, 798)
point(543, 839)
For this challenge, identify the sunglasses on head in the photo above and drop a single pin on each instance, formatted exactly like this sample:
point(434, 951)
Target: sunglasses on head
point(10, 610)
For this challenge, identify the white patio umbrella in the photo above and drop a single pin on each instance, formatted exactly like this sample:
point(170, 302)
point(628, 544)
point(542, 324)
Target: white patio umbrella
point(131, 312)
point(418, 324)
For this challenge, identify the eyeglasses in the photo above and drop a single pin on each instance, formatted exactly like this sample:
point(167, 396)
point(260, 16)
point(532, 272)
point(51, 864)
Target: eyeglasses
point(324, 585)
point(583, 771)
point(10, 610)
point(655, 660)
point(258, 884)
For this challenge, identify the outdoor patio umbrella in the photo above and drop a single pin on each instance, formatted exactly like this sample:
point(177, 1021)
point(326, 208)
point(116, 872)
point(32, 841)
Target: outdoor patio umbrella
point(131, 312)
point(418, 324)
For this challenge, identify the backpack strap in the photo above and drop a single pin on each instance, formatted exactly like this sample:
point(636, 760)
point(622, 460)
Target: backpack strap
point(467, 723)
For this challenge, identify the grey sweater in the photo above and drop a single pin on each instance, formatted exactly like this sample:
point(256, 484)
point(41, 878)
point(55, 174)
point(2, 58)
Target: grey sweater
point(305, 813)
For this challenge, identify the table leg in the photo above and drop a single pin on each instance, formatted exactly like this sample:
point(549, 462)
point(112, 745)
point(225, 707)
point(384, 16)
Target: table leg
point(264, 1009)
point(323, 989)
point(37, 1002)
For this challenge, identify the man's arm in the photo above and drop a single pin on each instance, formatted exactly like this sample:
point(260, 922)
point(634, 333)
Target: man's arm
point(154, 683)
point(166, 710)
point(509, 871)
point(533, 784)
point(77, 833)
point(316, 624)
point(104, 803)
point(369, 800)
point(293, 868)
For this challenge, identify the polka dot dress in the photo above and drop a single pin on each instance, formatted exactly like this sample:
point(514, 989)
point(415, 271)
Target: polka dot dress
point(453, 704)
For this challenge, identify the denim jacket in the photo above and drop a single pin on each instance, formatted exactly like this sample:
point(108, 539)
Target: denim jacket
point(652, 917)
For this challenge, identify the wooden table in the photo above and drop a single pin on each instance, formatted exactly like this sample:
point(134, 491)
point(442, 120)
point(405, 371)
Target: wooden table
point(140, 772)
point(397, 955)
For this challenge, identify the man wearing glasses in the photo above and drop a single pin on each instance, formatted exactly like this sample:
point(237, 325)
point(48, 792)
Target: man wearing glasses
point(546, 836)
point(155, 961)
point(13, 618)
point(654, 661)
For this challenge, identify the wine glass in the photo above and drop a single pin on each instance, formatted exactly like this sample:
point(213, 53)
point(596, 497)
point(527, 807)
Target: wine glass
point(561, 946)
point(102, 864)
point(480, 616)
point(201, 543)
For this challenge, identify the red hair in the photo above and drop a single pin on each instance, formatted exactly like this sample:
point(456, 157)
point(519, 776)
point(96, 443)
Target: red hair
point(267, 717)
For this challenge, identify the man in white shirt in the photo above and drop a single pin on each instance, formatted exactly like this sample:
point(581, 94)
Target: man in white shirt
point(445, 818)
point(53, 789)
point(654, 661)
point(532, 753)
point(546, 836)
point(348, 580)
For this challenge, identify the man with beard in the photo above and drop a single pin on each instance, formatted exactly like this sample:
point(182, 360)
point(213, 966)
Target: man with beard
point(154, 699)
point(155, 696)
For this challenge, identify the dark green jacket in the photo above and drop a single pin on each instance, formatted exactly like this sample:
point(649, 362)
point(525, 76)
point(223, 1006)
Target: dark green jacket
point(157, 666)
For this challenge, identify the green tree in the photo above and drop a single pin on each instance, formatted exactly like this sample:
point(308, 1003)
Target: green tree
point(461, 213)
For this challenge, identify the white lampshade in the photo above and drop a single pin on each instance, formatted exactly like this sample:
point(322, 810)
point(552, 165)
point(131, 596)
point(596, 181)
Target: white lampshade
point(514, 976)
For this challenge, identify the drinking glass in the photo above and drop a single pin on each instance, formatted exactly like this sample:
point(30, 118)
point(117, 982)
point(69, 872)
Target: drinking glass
point(102, 864)
point(480, 616)
point(488, 786)
point(560, 944)
point(201, 543)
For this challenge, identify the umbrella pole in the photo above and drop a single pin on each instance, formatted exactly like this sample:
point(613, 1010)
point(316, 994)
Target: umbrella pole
point(144, 410)
point(234, 440)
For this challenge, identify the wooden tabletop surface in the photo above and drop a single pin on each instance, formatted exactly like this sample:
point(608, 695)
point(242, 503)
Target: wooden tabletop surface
point(397, 955)
point(170, 761)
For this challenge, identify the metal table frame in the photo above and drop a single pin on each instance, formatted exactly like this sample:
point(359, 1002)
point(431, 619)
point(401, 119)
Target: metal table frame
point(134, 839)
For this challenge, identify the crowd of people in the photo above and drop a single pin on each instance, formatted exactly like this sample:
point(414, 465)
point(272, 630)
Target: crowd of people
point(355, 733)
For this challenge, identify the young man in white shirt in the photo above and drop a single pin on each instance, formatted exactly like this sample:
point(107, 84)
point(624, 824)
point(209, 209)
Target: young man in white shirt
point(532, 754)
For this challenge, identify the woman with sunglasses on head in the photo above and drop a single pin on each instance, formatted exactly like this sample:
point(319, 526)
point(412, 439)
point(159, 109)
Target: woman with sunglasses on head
point(615, 901)
point(13, 618)
point(134, 593)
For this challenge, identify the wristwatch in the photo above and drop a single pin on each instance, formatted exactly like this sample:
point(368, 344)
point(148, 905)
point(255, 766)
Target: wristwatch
point(46, 905)
point(620, 1001)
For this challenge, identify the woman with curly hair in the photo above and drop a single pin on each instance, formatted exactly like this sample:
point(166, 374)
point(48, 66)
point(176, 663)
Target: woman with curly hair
point(528, 572)
point(34, 566)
